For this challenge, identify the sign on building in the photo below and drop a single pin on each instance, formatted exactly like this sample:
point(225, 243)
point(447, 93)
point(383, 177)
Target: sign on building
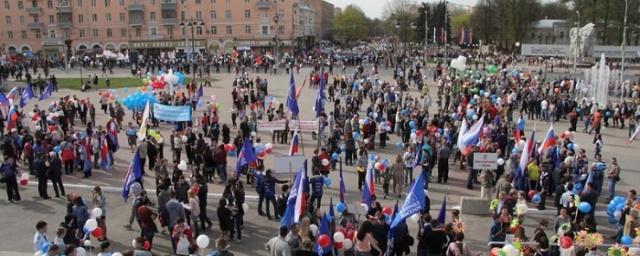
point(545, 50)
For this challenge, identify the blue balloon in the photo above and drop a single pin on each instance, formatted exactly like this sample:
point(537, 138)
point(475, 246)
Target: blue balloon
point(232, 153)
point(56, 149)
point(335, 156)
point(626, 240)
point(612, 220)
point(340, 207)
point(327, 181)
point(611, 208)
point(570, 146)
point(536, 198)
point(399, 145)
point(372, 157)
point(618, 200)
point(412, 124)
point(45, 247)
point(584, 207)
point(385, 162)
point(578, 186)
point(600, 166)
point(341, 147)
point(356, 135)
point(440, 130)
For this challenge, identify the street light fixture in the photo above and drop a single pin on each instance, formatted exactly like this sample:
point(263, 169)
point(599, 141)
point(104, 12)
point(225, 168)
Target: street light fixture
point(624, 42)
point(575, 56)
point(192, 23)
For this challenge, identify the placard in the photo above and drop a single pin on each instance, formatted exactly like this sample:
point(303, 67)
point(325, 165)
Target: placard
point(287, 164)
point(485, 161)
point(271, 126)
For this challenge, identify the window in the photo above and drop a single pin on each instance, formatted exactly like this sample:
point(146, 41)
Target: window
point(153, 2)
point(281, 29)
point(6, 4)
point(109, 33)
point(50, 5)
point(10, 34)
point(122, 17)
point(121, 2)
point(138, 32)
point(213, 1)
point(170, 32)
point(94, 17)
point(52, 33)
point(81, 32)
point(93, 3)
point(199, 31)
point(23, 34)
point(108, 17)
point(265, 29)
point(37, 34)
point(21, 20)
point(152, 16)
point(182, 15)
point(214, 30)
point(52, 19)
point(227, 14)
point(247, 14)
point(34, 3)
point(198, 1)
point(80, 18)
point(20, 5)
point(7, 20)
point(123, 32)
point(264, 14)
point(247, 1)
point(95, 32)
point(153, 31)
point(198, 15)
point(213, 15)
point(561, 34)
point(247, 29)
point(227, 1)
point(107, 3)
point(229, 30)
point(79, 3)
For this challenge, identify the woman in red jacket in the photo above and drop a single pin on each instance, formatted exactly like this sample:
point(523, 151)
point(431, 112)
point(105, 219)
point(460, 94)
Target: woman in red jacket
point(67, 154)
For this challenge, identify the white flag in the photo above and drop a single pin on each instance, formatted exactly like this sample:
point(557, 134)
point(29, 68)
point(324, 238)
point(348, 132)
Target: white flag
point(142, 133)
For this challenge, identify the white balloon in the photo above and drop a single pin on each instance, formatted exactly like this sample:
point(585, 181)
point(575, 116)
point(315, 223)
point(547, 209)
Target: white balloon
point(268, 145)
point(116, 254)
point(347, 244)
point(509, 250)
point(24, 176)
point(133, 243)
point(500, 161)
point(91, 224)
point(81, 251)
point(415, 217)
point(202, 241)
point(87, 243)
point(576, 147)
point(185, 138)
point(366, 141)
point(325, 162)
point(313, 228)
point(96, 212)
point(338, 237)
point(245, 207)
point(253, 134)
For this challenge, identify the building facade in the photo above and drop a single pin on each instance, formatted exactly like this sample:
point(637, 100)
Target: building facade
point(154, 27)
point(549, 31)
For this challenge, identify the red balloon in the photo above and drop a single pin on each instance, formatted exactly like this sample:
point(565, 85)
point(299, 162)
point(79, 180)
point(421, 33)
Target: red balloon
point(323, 240)
point(24, 182)
point(337, 245)
point(387, 211)
point(418, 133)
point(268, 150)
point(262, 154)
point(97, 233)
point(231, 147)
point(532, 193)
point(147, 245)
point(566, 242)
point(379, 166)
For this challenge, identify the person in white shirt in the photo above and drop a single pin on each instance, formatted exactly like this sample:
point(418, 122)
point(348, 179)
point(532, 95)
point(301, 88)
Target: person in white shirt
point(544, 109)
point(40, 238)
point(278, 245)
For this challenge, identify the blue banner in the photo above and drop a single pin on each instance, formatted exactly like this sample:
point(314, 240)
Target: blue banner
point(172, 113)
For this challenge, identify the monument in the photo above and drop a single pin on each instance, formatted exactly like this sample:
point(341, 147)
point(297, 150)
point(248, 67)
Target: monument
point(581, 40)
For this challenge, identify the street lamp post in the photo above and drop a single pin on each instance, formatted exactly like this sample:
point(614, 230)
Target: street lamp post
point(192, 24)
point(624, 42)
point(276, 19)
point(426, 33)
point(575, 56)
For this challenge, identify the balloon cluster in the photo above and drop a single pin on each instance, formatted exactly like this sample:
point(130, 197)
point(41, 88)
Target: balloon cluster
point(24, 179)
point(615, 209)
point(342, 238)
point(263, 151)
point(138, 100)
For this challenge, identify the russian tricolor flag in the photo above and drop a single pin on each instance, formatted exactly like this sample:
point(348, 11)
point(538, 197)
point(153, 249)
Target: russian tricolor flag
point(12, 117)
point(548, 142)
point(368, 189)
point(104, 152)
point(471, 137)
point(527, 152)
point(293, 149)
point(112, 131)
point(464, 127)
point(520, 124)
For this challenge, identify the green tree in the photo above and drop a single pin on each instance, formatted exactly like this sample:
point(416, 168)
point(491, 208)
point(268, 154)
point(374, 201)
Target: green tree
point(350, 25)
point(504, 22)
point(435, 15)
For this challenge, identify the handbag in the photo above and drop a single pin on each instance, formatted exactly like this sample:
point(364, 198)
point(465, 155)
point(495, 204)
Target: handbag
point(182, 248)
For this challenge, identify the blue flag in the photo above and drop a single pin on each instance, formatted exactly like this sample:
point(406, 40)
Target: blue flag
point(200, 92)
point(442, 214)
point(391, 234)
point(324, 229)
point(320, 97)
point(3, 98)
point(247, 155)
point(27, 95)
point(287, 218)
point(343, 189)
point(413, 203)
point(331, 213)
point(133, 174)
point(47, 91)
point(292, 101)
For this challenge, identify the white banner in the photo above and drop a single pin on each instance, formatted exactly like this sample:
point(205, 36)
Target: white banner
point(482, 161)
point(272, 126)
point(305, 126)
point(549, 50)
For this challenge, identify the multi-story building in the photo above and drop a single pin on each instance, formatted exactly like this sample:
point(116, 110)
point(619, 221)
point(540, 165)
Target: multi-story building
point(152, 26)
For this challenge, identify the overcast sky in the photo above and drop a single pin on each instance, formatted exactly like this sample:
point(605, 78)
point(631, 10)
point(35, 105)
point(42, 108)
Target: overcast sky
point(375, 8)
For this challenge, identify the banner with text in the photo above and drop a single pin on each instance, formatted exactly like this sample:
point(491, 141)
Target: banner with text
point(172, 113)
point(279, 125)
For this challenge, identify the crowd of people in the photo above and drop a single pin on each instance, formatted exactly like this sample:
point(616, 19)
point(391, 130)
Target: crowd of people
point(423, 129)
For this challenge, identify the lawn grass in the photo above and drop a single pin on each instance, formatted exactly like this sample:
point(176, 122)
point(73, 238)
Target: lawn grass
point(116, 82)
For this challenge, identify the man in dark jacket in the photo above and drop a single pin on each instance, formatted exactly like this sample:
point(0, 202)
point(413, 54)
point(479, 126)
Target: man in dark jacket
point(202, 200)
point(41, 173)
point(269, 187)
point(55, 174)
point(590, 195)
